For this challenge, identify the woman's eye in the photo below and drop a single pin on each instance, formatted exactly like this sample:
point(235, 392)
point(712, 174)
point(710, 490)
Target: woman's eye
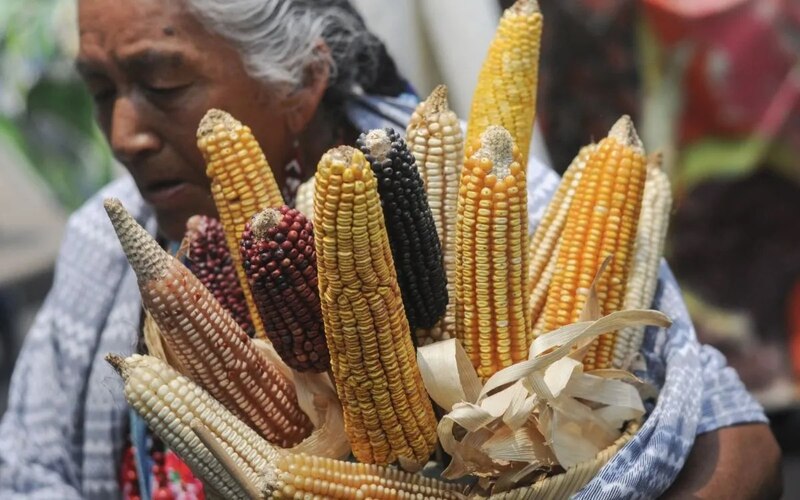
point(165, 91)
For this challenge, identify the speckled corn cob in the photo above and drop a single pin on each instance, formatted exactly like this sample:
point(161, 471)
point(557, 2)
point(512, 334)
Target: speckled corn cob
point(491, 254)
point(647, 253)
point(602, 221)
point(415, 245)
point(209, 259)
point(387, 413)
point(277, 250)
point(241, 183)
point(170, 403)
point(543, 247)
point(506, 91)
point(304, 476)
point(435, 139)
point(217, 353)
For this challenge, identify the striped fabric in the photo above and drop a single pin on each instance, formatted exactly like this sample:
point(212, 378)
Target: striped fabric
point(63, 433)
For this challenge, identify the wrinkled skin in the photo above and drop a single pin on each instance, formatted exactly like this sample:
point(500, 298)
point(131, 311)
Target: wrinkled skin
point(153, 71)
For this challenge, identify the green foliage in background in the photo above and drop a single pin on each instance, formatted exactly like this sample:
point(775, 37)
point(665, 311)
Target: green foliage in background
point(45, 113)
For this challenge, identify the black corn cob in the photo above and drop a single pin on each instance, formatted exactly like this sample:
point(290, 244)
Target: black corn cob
point(210, 260)
point(415, 244)
point(278, 255)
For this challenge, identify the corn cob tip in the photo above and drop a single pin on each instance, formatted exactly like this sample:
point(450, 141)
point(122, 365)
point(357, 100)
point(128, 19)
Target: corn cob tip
point(437, 101)
point(263, 221)
point(146, 257)
point(214, 117)
point(114, 209)
point(194, 227)
point(624, 132)
point(343, 154)
point(525, 7)
point(379, 143)
point(497, 146)
point(656, 160)
point(118, 363)
point(195, 223)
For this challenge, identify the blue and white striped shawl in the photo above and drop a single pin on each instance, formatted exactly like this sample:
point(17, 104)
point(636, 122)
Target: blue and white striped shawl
point(63, 433)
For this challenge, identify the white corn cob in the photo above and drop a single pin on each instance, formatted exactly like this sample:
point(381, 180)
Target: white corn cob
point(437, 143)
point(542, 250)
point(304, 201)
point(299, 475)
point(235, 461)
point(648, 250)
point(171, 404)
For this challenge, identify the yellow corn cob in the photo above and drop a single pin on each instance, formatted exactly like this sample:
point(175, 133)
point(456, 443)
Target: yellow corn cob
point(542, 250)
point(601, 221)
point(435, 139)
point(304, 201)
point(241, 183)
point(207, 341)
point(170, 403)
point(304, 476)
point(649, 247)
point(506, 90)
point(491, 254)
point(387, 413)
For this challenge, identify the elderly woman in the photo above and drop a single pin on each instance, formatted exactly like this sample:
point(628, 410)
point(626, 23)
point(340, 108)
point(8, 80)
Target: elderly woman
point(305, 75)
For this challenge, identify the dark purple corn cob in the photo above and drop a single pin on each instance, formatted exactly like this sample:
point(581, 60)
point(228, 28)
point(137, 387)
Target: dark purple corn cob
point(278, 255)
point(210, 260)
point(415, 244)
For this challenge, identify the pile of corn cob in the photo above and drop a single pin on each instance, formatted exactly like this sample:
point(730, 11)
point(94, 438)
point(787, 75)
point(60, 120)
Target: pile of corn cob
point(393, 245)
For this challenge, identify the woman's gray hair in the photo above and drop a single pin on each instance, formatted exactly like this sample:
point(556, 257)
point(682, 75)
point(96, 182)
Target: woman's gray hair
point(279, 41)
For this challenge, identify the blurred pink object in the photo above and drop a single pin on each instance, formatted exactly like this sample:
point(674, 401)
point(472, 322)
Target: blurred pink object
point(695, 8)
point(744, 73)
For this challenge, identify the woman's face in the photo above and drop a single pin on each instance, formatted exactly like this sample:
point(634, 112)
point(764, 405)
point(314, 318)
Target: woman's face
point(153, 72)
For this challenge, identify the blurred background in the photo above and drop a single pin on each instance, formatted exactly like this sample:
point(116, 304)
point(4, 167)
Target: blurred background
point(713, 84)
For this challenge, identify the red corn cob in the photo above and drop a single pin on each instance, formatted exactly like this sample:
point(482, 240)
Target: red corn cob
point(278, 254)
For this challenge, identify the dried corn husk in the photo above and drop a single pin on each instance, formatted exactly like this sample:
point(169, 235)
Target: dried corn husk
point(156, 346)
point(317, 398)
point(537, 414)
point(562, 486)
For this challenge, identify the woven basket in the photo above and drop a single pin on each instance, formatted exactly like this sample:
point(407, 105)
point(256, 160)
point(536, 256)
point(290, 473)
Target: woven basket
point(573, 479)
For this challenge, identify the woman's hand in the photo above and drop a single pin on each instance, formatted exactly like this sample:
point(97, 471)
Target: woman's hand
point(742, 462)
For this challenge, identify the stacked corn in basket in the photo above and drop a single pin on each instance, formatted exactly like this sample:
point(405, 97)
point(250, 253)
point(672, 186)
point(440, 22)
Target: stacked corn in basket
point(402, 299)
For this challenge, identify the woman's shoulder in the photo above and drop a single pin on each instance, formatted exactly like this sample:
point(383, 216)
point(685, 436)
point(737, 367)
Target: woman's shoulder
point(89, 267)
point(542, 183)
point(368, 111)
point(92, 213)
point(89, 240)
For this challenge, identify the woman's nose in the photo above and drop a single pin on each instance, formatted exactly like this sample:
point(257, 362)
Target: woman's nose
point(131, 136)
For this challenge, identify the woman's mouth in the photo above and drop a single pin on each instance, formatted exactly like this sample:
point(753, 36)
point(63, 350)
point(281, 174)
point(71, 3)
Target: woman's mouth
point(166, 194)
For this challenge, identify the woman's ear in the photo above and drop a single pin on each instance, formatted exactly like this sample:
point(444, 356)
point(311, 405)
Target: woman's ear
point(302, 103)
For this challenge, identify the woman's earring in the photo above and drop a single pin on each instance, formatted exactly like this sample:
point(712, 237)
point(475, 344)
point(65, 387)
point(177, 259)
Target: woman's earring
point(293, 175)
